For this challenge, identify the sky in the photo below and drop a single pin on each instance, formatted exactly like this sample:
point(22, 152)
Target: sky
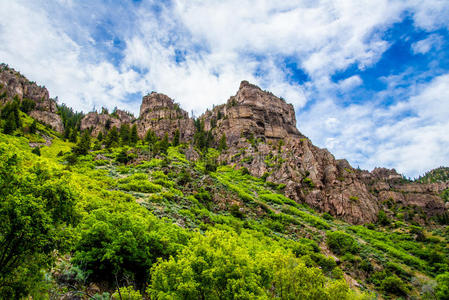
point(369, 80)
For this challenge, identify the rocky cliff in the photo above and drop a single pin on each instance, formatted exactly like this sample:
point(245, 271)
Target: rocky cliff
point(262, 136)
point(101, 122)
point(160, 114)
point(14, 85)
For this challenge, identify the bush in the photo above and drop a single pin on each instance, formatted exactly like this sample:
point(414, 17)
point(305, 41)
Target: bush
point(340, 242)
point(394, 285)
point(37, 151)
point(234, 209)
point(382, 218)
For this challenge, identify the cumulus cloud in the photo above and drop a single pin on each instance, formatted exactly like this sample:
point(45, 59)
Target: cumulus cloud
point(197, 52)
point(412, 143)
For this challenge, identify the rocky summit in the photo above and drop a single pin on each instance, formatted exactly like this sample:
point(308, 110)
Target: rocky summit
point(15, 85)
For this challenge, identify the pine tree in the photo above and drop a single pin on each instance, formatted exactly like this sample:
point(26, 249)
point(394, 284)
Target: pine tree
point(100, 136)
point(10, 124)
point(150, 137)
point(33, 127)
point(176, 138)
point(164, 144)
point(222, 143)
point(83, 146)
point(133, 137)
point(112, 139)
point(124, 134)
point(73, 136)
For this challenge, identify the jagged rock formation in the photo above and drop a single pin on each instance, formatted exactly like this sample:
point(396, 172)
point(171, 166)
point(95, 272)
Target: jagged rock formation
point(252, 112)
point(13, 84)
point(101, 122)
point(160, 114)
point(262, 136)
point(390, 188)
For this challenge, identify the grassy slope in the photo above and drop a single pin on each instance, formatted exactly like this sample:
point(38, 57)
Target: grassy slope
point(181, 191)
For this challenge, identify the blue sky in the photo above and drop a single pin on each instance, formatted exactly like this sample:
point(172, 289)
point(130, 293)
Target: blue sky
point(369, 79)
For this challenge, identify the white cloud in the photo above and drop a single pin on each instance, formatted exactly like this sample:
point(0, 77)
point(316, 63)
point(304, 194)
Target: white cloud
point(225, 42)
point(412, 143)
point(425, 45)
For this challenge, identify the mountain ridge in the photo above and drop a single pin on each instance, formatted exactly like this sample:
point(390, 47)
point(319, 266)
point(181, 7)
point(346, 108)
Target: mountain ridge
point(260, 135)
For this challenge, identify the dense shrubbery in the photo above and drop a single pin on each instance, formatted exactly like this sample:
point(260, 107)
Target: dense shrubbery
point(340, 242)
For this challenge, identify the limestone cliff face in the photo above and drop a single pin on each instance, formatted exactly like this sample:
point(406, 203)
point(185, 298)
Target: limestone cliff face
point(262, 136)
point(13, 84)
point(160, 114)
point(102, 122)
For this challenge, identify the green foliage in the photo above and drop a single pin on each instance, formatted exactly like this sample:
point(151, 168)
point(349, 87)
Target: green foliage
point(36, 206)
point(37, 151)
point(131, 241)
point(383, 219)
point(176, 138)
point(27, 105)
point(394, 285)
point(124, 134)
point(164, 144)
point(224, 265)
point(83, 146)
point(10, 113)
point(440, 174)
point(442, 289)
point(222, 143)
point(127, 293)
point(139, 183)
point(33, 127)
point(112, 139)
point(340, 242)
point(133, 138)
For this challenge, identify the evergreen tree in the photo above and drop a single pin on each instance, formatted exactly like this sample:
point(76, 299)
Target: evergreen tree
point(67, 132)
point(164, 144)
point(73, 135)
point(124, 134)
point(133, 137)
point(222, 143)
point(100, 136)
point(33, 127)
point(83, 146)
point(112, 139)
point(176, 138)
point(150, 137)
point(10, 124)
point(27, 105)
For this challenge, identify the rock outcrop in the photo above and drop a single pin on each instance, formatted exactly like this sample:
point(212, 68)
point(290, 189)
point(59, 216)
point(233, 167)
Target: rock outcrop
point(261, 135)
point(160, 114)
point(101, 122)
point(14, 85)
point(253, 113)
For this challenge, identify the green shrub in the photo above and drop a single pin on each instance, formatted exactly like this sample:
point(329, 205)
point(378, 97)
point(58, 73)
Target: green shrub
point(340, 242)
point(394, 285)
point(383, 219)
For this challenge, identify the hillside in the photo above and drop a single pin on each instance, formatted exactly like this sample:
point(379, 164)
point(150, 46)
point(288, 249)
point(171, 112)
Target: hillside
point(234, 204)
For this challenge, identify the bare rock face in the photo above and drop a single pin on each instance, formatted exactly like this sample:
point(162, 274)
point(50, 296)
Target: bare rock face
point(262, 136)
point(252, 112)
point(160, 114)
point(49, 118)
point(13, 84)
point(103, 122)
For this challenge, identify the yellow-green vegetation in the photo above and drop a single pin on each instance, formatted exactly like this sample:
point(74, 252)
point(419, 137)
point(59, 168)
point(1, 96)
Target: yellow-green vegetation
point(164, 227)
